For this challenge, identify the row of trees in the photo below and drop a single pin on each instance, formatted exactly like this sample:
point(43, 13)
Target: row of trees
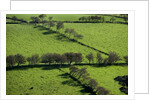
point(15, 19)
point(111, 59)
point(84, 77)
point(92, 19)
point(56, 58)
point(49, 58)
point(102, 18)
point(59, 25)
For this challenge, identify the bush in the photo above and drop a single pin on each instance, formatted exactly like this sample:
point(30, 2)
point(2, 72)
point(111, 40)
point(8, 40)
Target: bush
point(102, 91)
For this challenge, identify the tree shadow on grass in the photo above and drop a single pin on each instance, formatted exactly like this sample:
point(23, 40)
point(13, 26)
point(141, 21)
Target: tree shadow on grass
point(56, 66)
point(61, 37)
point(43, 66)
point(76, 83)
point(49, 32)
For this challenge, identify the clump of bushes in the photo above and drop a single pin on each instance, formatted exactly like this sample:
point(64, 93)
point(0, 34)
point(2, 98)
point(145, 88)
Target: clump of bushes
point(84, 77)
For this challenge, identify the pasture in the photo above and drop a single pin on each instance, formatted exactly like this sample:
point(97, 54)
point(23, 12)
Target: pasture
point(39, 79)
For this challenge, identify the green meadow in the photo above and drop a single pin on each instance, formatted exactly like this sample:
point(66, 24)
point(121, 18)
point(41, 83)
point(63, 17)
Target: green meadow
point(28, 39)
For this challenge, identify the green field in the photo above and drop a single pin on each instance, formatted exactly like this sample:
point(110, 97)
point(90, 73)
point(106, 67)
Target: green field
point(28, 39)
point(61, 17)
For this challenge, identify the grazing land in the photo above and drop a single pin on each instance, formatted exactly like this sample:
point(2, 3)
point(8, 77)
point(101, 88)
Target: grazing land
point(106, 37)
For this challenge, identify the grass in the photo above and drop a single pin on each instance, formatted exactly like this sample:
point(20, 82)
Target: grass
point(44, 82)
point(28, 39)
point(61, 17)
point(103, 36)
point(50, 81)
point(105, 75)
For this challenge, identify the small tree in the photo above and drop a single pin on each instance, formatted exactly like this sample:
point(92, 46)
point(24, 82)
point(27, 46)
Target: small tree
point(57, 58)
point(33, 59)
point(73, 70)
point(50, 18)
point(60, 25)
point(10, 60)
point(125, 18)
point(35, 20)
point(113, 57)
point(112, 19)
point(126, 59)
point(70, 57)
point(93, 84)
point(14, 18)
point(99, 58)
point(78, 57)
point(102, 91)
point(63, 59)
point(90, 57)
point(51, 24)
point(20, 59)
point(81, 72)
point(42, 16)
point(48, 58)
point(105, 61)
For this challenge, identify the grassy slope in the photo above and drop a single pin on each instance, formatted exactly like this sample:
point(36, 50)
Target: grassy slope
point(105, 76)
point(44, 82)
point(27, 40)
point(104, 37)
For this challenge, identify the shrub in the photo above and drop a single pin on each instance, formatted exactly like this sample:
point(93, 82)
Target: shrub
point(10, 60)
point(102, 91)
